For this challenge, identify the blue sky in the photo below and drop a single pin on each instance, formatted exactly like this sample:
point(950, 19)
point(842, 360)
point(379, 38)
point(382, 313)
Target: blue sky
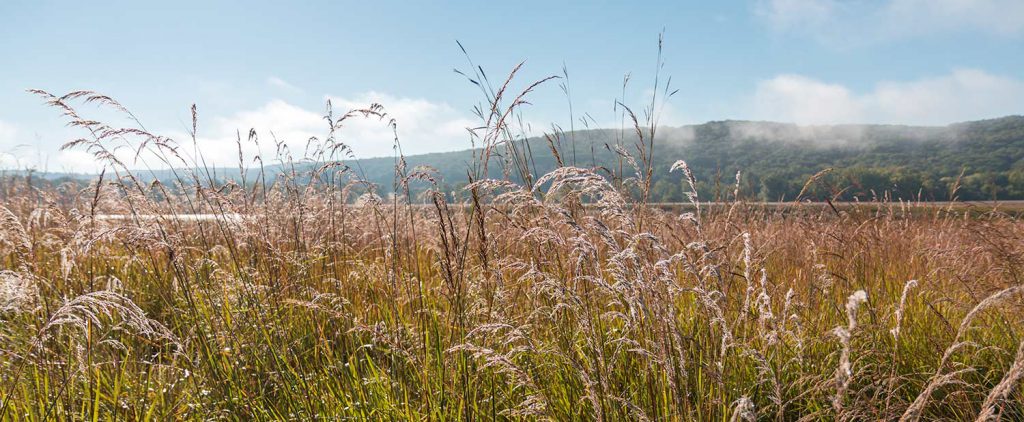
point(272, 65)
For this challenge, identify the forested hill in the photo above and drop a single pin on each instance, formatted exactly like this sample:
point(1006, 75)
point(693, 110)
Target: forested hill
point(776, 159)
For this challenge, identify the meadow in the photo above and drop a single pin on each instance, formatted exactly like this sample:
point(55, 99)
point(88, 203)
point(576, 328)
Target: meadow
point(557, 296)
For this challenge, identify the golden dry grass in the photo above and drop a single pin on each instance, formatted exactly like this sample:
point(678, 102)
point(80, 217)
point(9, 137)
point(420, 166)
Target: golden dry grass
point(560, 296)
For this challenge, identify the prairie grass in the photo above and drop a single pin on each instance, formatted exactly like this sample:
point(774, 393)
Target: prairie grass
point(560, 296)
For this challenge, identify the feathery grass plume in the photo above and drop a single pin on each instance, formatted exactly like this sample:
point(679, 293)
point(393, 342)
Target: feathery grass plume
point(518, 344)
point(736, 189)
point(309, 289)
point(586, 183)
point(15, 236)
point(735, 196)
point(692, 182)
point(765, 316)
point(1003, 390)
point(898, 316)
point(766, 374)
point(709, 300)
point(18, 292)
point(844, 372)
point(796, 335)
point(942, 378)
point(748, 265)
point(743, 410)
point(93, 310)
point(810, 182)
point(824, 278)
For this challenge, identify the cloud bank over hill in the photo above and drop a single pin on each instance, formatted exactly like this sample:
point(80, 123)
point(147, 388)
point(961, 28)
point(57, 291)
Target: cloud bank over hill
point(963, 94)
point(422, 126)
point(429, 126)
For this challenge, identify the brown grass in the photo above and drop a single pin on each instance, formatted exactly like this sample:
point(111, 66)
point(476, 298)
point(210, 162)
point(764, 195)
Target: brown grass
point(561, 297)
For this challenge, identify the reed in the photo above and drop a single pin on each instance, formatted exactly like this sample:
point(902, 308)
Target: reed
point(558, 296)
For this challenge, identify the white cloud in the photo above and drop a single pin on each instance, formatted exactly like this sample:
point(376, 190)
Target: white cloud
point(75, 160)
point(282, 84)
point(19, 153)
point(422, 126)
point(964, 94)
point(7, 133)
point(8, 157)
point(795, 98)
point(835, 22)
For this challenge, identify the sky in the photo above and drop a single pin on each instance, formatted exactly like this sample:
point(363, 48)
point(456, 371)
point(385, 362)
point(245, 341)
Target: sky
point(273, 66)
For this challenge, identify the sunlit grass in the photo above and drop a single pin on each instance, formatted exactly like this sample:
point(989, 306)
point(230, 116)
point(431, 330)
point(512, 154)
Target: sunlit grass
point(567, 298)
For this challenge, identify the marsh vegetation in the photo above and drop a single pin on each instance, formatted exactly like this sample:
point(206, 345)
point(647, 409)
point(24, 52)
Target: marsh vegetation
point(559, 296)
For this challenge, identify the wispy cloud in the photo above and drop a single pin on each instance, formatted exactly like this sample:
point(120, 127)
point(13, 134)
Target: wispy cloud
point(999, 17)
point(963, 94)
point(793, 14)
point(846, 23)
point(282, 84)
point(422, 126)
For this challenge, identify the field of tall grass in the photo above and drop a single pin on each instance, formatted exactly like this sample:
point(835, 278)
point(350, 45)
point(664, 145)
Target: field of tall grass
point(307, 296)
